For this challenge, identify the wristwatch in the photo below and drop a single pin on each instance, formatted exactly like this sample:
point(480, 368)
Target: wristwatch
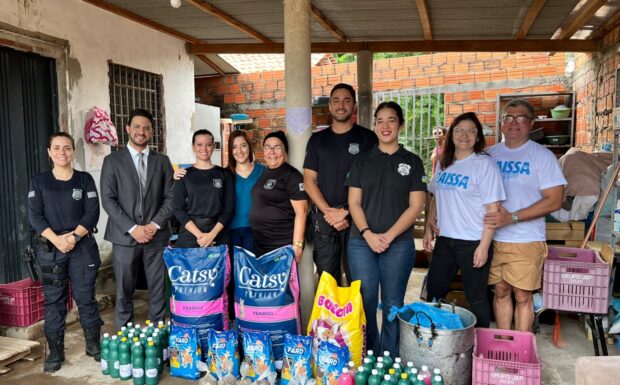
point(298, 244)
point(515, 218)
point(77, 237)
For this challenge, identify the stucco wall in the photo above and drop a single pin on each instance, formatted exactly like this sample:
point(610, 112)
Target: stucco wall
point(94, 37)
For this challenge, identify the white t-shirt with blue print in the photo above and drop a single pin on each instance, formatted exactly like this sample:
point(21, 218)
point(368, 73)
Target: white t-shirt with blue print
point(461, 191)
point(526, 172)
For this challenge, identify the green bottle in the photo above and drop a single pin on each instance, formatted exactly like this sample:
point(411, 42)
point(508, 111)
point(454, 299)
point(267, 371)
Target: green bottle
point(113, 360)
point(375, 378)
point(392, 374)
point(137, 363)
point(368, 365)
point(160, 355)
point(161, 329)
point(129, 325)
point(149, 328)
point(370, 354)
point(437, 380)
point(379, 361)
point(408, 370)
point(387, 380)
point(124, 358)
point(387, 359)
point(404, 380)
point(397, 369)
point(143, 341)
point(380, 369)
point(361, 376)
point(105, 354)
point(124, 331)
point(420, 380)
point(150, 365)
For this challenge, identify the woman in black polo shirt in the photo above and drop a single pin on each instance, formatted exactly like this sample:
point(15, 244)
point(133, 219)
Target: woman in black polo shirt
point(279, 202)
point(386, 194)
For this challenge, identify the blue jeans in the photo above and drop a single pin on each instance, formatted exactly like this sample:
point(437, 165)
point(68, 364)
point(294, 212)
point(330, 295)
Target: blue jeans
point(242, 236)
point(390, 270)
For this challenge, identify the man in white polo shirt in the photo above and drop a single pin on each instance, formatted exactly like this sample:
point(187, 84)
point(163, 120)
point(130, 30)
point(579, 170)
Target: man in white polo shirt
point(534, 188)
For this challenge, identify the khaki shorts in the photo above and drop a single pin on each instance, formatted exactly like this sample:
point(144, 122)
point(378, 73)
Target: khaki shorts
point(519, 264)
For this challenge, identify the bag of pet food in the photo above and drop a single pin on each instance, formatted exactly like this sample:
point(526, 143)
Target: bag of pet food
point(331, 359)
point(184, 352)
point(338, 317)
point(257, 353)
point(297, 365)
point(223, 356)
point(267, 295)
point(199, 277)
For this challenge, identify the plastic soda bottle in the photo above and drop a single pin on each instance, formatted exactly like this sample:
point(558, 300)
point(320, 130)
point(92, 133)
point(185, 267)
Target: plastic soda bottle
point(149, 329)
point(370, 354)
point(380, 369)
point(160, 353)
point(345, 378)
point(375, 378)
point(387, 380)
point(408, 370)
point(379, 360)
point(404, 380)
point(426, 375)
point(437, 380)
point(137, 363)
point(113, 358)
point(143, 340)
point(150, 365)
point(124, 359)
point(163, 342)
point(129, 325)
point(105, 353)
point(361, 376)
point(368, 365)
point(436, 372)
point(387, 359)
point(124, 331)
point(398, 369)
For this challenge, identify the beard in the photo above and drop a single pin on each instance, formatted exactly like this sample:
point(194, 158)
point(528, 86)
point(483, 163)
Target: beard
point(343, 119)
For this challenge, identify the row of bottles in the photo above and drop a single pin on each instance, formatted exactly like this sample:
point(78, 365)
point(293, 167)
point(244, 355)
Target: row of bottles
point(136, 353)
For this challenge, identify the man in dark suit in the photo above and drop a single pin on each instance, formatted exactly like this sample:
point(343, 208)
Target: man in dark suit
point(137, 193)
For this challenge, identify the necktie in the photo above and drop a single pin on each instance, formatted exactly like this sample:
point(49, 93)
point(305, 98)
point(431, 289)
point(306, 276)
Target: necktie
point(142, 171)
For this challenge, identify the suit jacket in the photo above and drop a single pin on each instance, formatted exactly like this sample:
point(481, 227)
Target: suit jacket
point(120, 196)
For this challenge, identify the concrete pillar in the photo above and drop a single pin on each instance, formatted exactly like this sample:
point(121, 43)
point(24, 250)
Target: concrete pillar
point(299, 118)
point(364, 89)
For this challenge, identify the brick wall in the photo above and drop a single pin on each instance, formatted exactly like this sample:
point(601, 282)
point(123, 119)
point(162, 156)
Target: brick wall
point(470, 82)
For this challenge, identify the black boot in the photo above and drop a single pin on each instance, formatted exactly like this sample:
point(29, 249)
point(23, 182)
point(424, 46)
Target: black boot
point(93, 346)
point(56, 343)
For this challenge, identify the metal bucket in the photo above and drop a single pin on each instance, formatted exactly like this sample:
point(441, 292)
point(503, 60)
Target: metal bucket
point(448, 350)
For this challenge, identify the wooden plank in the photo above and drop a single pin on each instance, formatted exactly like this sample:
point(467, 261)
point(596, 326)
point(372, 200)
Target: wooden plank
point(14, 349)
point(578, 17)
point(425, 19)
point(327, 24)
point(511, 45)
point(141, 20)
point(529, 18)
point(211, 64)
point(228, 19)
point(607, 26)
point(574, 225)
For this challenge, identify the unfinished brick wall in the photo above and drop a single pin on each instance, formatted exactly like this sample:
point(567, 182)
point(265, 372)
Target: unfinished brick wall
point(470, 82)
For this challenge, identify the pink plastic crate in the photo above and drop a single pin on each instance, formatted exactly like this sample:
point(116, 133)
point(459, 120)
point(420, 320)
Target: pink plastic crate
point(22, 304)
point(505, 357)
point(575, 280)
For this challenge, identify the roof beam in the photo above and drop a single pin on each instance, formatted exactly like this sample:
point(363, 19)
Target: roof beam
point(424, 19)
point(528, 19)
point(510, 45)
point(578, 17)
point(211, 64)
point(228, 19)
point(327, 24)
point(607, 26)
point(141, 20)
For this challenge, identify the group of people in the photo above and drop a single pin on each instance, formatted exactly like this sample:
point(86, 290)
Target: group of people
point(365, 189)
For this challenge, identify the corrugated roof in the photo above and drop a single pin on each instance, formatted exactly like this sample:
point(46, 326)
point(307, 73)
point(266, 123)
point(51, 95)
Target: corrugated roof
point(263, 62)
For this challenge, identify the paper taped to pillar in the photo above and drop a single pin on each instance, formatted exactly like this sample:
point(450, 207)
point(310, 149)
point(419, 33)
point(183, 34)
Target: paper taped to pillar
point(199, 277)
point(98, 127)
point(298, 119)
point(338, 317)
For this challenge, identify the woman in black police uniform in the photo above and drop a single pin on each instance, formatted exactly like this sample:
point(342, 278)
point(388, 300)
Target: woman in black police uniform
point(279, 202)
point(204, 200)
point(386, 194)
point(63, 209)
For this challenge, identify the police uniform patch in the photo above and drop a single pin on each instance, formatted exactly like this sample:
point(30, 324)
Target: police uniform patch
point(91, 194)
point(354, 148)
point(270, 184)
point(301, 187)
point(403, 169)
point(31, 194)
point(77, 194)
point(217, 183)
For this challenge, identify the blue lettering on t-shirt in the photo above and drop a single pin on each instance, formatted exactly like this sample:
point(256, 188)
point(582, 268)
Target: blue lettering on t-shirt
point(512, 169)
point(452, 180)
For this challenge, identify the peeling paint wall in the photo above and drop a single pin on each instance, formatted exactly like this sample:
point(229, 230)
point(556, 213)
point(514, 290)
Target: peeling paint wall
point(95, 36)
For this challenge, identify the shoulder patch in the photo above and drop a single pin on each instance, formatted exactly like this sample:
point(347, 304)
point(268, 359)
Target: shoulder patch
point(91, 194)
point(31, 194)
point(301, 187)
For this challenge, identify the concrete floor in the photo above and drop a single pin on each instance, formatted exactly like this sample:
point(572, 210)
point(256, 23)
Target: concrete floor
point(558, 364)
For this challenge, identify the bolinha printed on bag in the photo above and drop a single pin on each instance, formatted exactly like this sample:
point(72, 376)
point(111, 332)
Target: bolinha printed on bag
point(199, 277)
point(267, 294)
point(338, 317)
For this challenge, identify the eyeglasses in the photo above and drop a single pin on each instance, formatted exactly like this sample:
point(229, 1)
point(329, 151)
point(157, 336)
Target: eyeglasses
point(466, 131)
point(276, 148)
point(519, 118)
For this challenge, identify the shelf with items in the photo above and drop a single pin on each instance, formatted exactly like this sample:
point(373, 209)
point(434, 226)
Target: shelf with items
point(555, 131)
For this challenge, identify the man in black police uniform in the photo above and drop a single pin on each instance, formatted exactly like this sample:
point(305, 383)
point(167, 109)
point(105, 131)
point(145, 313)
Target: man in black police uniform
point(329, 155)
point(137, 194)
point(63, 209)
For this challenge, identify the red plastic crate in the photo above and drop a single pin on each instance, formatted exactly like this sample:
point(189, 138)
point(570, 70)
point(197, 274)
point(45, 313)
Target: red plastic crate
point(575, 280)
point(505, 357)
point(22, 303)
